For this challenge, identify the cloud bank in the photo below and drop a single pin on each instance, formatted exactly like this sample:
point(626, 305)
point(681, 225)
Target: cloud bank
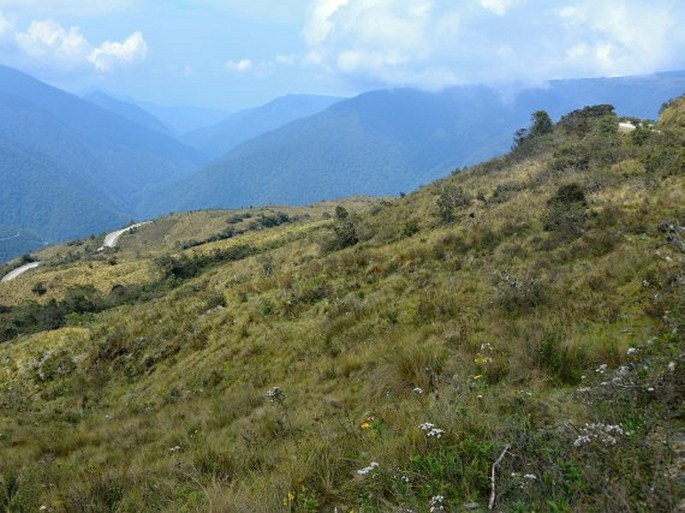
point(437, 43)
point(50, 46)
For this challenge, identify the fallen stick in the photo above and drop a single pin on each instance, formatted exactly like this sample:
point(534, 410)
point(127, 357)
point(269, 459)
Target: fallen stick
point(491, 504)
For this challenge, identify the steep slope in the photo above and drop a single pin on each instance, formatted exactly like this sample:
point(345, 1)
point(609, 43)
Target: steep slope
point(390, 141)
point(103, 149)
point(40, 197)
point(128, 111)
point(17, 241)
point(521, 319)
point(239, 127)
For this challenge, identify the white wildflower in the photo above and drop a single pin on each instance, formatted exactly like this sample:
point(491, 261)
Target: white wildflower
point(418, 390)
point(367, 470)
point(175, 448)
point(606, 434)
point(431, 430)
point(436, 503)
point(671, 366)
point(530, 477)
point(275, 394)
point(632, 350)
point(602, 369)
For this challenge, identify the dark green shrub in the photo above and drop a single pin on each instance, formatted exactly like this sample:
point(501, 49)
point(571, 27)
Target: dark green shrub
point(566, 211)
point(451, 197)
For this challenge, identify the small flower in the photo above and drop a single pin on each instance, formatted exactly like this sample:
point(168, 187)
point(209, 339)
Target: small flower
point(368, 469)
point(530, 477)
point(606, 434)
point(430, 430)
point(288, 498)
point(365, 425)
point(671, 366)
point(632, 351)
point(602, 369)
point(275, 394)
point(477, 377)
point(418, 390)
point(436, 503)
point(481, 360)
point(175, 448)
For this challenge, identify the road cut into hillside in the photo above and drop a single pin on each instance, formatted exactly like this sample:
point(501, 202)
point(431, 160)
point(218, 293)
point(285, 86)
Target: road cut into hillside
point(112, 239)
point(19, 271)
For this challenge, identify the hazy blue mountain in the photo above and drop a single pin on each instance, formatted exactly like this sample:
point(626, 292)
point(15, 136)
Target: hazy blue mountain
point(183, 118)
point(385, 142)
point(17, 241)
point(128, 111)
point(218, 139)
point(38, 199)
point(122, 159)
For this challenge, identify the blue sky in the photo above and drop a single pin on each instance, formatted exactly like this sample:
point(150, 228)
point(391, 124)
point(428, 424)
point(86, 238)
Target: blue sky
point(236, 53)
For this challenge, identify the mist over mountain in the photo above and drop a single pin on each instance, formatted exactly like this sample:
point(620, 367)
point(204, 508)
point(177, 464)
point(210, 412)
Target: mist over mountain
point(218, 139)
point(389, 141)
point(183, 118)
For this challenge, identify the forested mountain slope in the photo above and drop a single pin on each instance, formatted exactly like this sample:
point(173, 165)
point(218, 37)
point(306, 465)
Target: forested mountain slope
point(392, 141)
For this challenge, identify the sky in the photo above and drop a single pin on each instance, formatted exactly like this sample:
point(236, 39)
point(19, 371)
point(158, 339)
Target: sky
point(231, 54)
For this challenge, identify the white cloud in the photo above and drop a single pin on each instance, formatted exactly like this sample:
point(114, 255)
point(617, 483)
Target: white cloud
point(112, 53)
point(48, 39)
point(436, 43)
point(241, 66)
point(46, 43)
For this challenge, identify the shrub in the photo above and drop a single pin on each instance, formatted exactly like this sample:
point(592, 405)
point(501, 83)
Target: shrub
point(449, 199)
point(345, 231)
point(519, 294)
point(39, 288)
point(566, 211)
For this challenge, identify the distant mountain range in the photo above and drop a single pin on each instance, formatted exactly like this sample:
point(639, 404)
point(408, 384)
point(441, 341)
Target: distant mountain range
point(129, 111)
point(72, 166)
point(385, 142)
point(218, 139)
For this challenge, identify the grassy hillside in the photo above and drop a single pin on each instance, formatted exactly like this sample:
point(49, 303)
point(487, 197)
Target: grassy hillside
point(379, 356)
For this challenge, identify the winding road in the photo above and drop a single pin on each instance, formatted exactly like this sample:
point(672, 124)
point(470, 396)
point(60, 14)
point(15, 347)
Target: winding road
point(111, 240)
point(19, 271)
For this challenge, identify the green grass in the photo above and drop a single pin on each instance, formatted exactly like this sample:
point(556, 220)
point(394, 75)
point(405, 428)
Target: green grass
point(563, 342)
